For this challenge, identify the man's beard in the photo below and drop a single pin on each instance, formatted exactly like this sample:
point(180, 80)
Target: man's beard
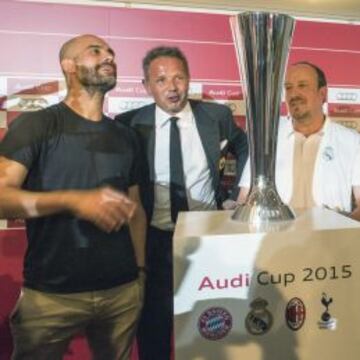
point(299, 113)
point(93, 81)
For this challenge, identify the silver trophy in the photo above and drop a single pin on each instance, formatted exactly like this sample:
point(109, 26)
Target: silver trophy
point(262, 42)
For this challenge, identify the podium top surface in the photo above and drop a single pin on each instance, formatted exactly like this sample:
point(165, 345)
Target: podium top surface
point(200, 223)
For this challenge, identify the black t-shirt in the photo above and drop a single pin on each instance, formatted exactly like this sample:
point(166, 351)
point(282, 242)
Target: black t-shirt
point(62, 150)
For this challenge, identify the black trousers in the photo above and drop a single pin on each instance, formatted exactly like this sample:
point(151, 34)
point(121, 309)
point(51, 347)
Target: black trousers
point(156, 322)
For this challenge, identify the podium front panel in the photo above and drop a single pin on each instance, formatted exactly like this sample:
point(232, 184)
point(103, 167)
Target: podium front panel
point(287, 291)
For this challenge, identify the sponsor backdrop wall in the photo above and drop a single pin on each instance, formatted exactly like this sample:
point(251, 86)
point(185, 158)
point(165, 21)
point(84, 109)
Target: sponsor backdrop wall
point(30, 78)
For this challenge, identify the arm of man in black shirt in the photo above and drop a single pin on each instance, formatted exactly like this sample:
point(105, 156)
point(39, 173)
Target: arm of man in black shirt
point(106, 208)
point(137, 225)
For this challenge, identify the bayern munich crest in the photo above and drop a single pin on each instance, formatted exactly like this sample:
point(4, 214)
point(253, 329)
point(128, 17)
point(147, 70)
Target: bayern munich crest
point(259, 320)
point(215, 323)
point(295, 314)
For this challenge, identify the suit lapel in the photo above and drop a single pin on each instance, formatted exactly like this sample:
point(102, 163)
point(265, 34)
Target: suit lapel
point(209, 135)
point(144, 122)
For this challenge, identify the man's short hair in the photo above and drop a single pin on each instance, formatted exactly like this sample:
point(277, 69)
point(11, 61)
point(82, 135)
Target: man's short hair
point(320, 74)
point(65, 48)
point(163, 51)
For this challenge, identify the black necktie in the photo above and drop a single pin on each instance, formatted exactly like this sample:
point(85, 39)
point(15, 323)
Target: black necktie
point(178, 197)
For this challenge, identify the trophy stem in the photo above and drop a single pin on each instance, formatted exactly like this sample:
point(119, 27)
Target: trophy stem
point(262, 42)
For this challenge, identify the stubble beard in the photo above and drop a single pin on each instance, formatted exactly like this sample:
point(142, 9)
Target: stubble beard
point(298, 113)
point(94, 82)
point(301, 116)
point(180, 105)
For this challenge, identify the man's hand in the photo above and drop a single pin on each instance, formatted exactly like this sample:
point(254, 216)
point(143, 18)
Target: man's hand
point(105, 207)
point(108, 209)
point(229, 204)
point(338, 210)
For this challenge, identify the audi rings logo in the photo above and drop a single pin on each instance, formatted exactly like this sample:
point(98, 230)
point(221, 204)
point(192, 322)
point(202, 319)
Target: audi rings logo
point(347, 96)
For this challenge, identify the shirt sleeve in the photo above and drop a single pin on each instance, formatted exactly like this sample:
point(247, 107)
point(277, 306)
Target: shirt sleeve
point(246, 176)
point(355, 181)
point(22, 141)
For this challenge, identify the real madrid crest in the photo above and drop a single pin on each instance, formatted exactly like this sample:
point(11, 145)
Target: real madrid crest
point(328, 153)
point(259, 320)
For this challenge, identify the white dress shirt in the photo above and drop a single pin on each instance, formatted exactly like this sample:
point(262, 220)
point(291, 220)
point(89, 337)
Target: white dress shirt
point(337, 165)
point(199, 187)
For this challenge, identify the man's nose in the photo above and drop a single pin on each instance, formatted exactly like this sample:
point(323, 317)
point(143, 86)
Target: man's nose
point(172, 84)
point(109, 58)
point(291, 93)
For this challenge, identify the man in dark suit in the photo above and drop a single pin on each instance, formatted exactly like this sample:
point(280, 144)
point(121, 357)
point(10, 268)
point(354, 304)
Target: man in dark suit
point(185, 144)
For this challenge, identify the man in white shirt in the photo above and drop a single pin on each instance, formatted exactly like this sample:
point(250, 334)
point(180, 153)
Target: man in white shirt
point(317, 161)
point(207, 133)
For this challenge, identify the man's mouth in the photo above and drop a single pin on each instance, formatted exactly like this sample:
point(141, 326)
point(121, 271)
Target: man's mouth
point(109, 68)
point(296, 102)
point(174, 98)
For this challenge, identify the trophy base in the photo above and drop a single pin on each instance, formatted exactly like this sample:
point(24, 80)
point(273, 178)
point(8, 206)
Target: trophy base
point(263, 207)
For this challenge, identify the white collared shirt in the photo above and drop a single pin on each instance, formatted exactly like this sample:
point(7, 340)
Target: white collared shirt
point(199, 187)
point(337, 165)
point(305, 154)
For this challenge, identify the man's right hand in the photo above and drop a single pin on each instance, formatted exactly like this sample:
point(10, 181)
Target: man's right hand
point(107, 208)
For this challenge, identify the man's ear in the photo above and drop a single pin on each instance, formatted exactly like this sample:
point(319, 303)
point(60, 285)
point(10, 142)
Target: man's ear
point(147, 86)
point(68, 66)
point(324, 93)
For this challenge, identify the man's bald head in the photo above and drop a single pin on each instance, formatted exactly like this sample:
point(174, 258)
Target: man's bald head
point(70, 48)
point(88, 61)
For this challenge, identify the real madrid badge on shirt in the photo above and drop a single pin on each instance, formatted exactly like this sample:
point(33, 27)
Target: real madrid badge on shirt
point(328, 153)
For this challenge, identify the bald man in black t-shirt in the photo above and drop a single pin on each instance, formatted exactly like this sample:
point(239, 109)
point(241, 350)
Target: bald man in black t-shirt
point(73, 174)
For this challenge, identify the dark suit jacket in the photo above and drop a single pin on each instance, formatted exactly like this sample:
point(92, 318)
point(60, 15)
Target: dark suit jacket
point(216, 129)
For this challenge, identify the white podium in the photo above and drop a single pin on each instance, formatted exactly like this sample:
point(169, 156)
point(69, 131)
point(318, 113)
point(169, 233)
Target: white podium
point(290, 292)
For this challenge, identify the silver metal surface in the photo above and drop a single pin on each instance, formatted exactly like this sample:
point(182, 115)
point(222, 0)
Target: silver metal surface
point(262, 42)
